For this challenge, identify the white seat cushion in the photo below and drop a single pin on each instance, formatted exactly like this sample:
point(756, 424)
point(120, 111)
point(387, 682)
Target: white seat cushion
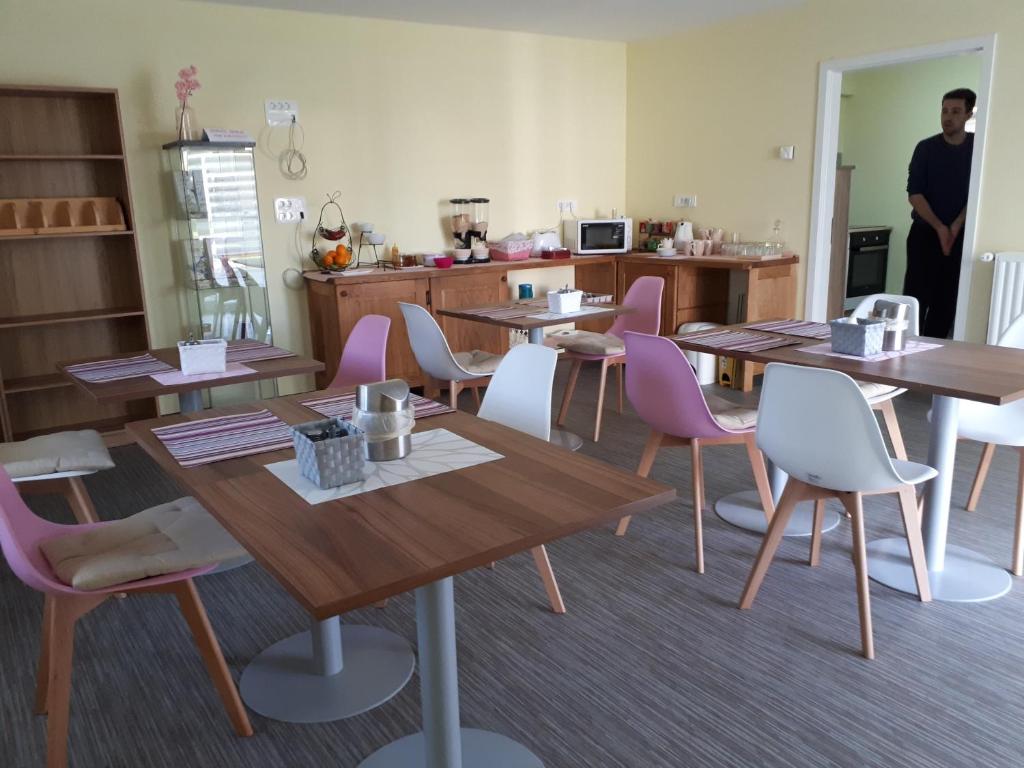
point(589, 343)
point(912, 472)
point(478, 361)
point(730, 415)
point(872, 390)
point(59, 452)
point(164, 539)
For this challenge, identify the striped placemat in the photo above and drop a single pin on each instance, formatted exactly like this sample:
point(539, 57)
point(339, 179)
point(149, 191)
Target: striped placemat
point(806, 328)
point(342, 405)
point(205, 441)
point(248, 351)
point(735, 341)
point(122, 368)
point(501, 313)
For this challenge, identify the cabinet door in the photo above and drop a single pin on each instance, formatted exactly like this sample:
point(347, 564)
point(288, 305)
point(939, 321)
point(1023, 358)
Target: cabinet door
point(596, 278)
point(354, 301)
point(629, 272)
point(473, 290)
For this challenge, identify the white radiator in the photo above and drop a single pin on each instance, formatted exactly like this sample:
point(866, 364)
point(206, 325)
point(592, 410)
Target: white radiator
point(1007, 294)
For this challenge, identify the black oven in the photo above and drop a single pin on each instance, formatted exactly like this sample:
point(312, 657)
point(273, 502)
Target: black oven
point(867, 263)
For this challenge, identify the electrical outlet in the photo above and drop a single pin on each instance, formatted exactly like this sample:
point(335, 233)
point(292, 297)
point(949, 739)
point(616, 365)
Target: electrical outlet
point(787, 152)
point(281, 111)
point(567, 206)
point(685, 201)
point(288, 210)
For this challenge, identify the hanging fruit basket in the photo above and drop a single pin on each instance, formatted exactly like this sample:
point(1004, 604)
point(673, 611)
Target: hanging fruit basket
point(332, 228)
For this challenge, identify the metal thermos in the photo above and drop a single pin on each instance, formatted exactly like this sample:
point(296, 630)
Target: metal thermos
point(390, 401)
point(895, 314)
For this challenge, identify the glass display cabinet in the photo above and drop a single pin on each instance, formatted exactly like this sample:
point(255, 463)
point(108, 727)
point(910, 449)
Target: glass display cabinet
point(218, 246)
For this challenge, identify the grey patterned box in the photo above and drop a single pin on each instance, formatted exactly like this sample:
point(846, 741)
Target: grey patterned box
point(863, 338)
point(334, 461)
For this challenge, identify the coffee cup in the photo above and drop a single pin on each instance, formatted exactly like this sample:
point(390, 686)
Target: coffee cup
point(697, 248)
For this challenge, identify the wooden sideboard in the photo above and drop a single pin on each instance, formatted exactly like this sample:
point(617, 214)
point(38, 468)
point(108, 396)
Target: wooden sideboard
point(695, 289)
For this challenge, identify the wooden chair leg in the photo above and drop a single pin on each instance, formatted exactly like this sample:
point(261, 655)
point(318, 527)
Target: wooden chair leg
point(45, 642)
point(476, 396)
point(570, 387)
point(757, 466)
point(892, 425)
point(698, 494)
point(381, 603)
point(80, 502)
point(855, 504)
point(979, 477)
point(912, 527)
point(816, 526)
point(540, 557)
point(793, 493)
point(618, 373)
point(1018, 529)
point(453, 395)
point(195, 614)
point(600, 399)
point(646, 462)
point(703, 485)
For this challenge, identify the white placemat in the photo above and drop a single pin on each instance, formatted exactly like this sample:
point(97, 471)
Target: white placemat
point(569, 315)
point(173, 378)
point(433, 453)
point(911, 348)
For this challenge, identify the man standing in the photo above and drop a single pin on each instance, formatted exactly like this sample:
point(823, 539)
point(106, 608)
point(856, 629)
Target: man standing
point(937, 185)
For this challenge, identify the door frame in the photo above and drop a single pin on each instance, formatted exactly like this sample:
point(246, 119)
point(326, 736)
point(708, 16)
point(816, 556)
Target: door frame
point(830, 79)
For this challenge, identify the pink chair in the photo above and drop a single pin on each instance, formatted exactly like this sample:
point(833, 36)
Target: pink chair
point(362, 359)
point(644, 297)
point(665, 393)
point(21, 532)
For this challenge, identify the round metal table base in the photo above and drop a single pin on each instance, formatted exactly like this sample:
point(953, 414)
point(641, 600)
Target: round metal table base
point(480, 749)
point(281, 683)
point(967, 577)
point(565, 439)
point(744, 510)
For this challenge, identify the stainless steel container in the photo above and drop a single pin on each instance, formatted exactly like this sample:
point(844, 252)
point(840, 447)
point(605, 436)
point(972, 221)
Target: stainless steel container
point(384, 412)
point(896, 316)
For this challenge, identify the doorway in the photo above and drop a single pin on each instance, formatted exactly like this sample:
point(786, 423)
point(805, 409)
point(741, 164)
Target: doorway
point(879, 78)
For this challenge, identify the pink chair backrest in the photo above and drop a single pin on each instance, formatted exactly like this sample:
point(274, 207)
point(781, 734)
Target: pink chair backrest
point(644, 296)
point(362, 360)
point(663, 389)
point(20, 534)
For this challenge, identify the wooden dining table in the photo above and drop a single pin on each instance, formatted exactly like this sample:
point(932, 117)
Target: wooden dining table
point(949, 372)
point(353, 552)
point(189, 391)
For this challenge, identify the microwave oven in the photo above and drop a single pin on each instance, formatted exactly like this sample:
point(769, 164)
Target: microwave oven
point(586, 236)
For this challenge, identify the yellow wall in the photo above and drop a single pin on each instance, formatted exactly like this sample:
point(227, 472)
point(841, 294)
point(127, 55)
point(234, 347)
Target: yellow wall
point(397, 116)
point(884, 113)
point(707, 108)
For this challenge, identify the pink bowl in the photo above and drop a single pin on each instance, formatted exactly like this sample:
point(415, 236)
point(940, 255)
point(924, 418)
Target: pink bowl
point(443, 262)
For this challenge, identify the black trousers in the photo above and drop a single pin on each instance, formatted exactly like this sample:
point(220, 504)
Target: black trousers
point(933, 278)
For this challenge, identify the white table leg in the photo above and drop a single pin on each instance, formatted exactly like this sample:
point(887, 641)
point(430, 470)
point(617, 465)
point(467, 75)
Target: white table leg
point(956, 574)
point(744, 510)
point(190, 401)
point(443, 743)
point(328, 673)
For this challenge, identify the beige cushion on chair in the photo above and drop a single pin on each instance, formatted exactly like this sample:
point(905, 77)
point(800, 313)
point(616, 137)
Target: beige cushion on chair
point(871, 389)
point(164, 539)
point(729, 415)
point(478, 361)
point(59, 452)
point(589, 343)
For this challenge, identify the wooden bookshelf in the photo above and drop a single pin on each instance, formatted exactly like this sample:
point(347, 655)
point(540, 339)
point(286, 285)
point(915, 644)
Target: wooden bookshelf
point(65, 295)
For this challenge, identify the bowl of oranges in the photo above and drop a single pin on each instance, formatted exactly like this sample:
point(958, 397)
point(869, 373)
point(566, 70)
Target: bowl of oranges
point(335, 260)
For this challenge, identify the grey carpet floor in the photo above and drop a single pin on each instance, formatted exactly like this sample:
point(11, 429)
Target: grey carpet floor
point(652, 666)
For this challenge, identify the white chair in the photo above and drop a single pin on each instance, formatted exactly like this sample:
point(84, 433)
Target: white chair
point(880, 396)
point(520, 398)
point(998, 425)
point(455, 371)
point(816, 425)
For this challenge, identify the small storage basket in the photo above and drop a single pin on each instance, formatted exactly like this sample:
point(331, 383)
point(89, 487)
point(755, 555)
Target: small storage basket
point(334, 461)
point(207, 356)
point(564, 303)
point(510, 250)
point(863, 338)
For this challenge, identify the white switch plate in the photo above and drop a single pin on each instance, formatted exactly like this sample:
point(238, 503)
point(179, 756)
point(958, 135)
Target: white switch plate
point(288, 210)
point(685, 201)
point(787, 152)
point(567, 206)
point(281, 111)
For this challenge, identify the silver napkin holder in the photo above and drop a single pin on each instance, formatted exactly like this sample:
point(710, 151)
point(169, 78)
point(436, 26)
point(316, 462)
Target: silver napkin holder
point(384, 412)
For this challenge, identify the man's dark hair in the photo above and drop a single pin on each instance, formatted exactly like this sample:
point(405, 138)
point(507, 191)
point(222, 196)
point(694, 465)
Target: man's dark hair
point(969, 97)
